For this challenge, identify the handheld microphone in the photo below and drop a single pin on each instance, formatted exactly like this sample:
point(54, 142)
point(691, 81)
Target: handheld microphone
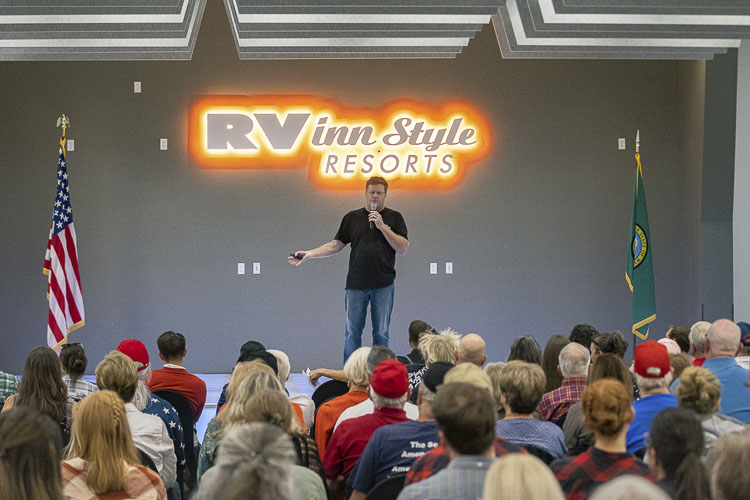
point(373, 207)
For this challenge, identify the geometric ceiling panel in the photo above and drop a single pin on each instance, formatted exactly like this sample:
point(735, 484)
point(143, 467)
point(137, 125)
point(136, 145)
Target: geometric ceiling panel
point(365, 29)
point(99, 29)
point(662, 29)
point(356, 28)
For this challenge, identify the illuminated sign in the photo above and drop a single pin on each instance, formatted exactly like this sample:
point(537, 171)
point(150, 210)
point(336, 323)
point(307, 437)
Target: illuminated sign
point(418, 144)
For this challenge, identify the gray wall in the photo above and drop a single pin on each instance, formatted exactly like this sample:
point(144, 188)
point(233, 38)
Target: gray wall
point(741, 221)
point(692, 109)
point(537, 233)
point(718, 186)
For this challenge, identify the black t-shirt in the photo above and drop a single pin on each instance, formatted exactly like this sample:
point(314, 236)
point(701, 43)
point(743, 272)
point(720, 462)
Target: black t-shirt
point(372, 260)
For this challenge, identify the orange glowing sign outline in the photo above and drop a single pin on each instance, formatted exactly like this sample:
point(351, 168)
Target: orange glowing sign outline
point(419, 145)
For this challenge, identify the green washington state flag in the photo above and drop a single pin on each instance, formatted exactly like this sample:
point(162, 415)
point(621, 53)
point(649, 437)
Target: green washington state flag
point(639, 272)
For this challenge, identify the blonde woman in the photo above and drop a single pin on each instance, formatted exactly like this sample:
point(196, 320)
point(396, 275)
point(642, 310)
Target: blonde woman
point(235, 412)
point(102, 461)
point(521, 477)
point(700, 391)
point(272, 407)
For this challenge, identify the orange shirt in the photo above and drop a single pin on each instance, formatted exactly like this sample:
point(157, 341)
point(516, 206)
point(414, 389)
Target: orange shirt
point(298, 410)
point(329, 412)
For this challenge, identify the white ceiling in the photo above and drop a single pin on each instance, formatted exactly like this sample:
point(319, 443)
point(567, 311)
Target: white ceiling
point(35, 30)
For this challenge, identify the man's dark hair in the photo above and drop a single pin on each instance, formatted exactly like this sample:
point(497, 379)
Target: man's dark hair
point(377, 180)
point(378, 353)
point(171, 344)
point(466, 416)
point(416, 328)
point(681, 335)
point(611, 343)
point(583, 334)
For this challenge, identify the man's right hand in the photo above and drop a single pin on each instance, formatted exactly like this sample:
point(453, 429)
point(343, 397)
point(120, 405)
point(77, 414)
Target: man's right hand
point(300, 256)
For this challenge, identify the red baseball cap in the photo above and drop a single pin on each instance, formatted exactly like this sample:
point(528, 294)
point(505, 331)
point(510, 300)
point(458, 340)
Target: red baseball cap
point(390, 379)
point(651, 360)
point(136, 351)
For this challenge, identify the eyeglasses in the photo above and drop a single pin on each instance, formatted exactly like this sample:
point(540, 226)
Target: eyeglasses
point(71, 344)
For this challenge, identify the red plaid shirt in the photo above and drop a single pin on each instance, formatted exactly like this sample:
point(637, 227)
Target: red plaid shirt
point(555, 404)
point(580, 475)
point(437, 459)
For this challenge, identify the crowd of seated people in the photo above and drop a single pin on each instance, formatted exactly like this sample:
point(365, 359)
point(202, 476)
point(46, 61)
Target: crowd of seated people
point(570, 420)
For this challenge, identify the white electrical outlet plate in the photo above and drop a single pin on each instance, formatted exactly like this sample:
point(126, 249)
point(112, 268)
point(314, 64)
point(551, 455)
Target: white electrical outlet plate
point(136, 87)
point(256, 267)
point(449, 268)
point(433, 267)
point(163, 144)
point(621, 143)
point(70, 145)
point(240, 268)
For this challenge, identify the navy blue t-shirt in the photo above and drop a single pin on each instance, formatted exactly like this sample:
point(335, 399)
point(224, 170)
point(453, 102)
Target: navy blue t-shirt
point(391, 451)
point(372, 260)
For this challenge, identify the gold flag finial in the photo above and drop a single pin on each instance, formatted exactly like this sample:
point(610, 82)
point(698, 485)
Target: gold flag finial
point(63, 121)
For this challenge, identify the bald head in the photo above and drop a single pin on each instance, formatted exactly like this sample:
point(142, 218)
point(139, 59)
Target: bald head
point(722, 339)
point(471, 349)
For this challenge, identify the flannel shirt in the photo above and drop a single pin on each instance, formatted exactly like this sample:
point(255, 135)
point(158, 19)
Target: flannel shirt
point(554, 404)
point(437, 459)
point(579, 475)
point(8, 386)
point(79, 389)
point(463, 478)
point(141, 483)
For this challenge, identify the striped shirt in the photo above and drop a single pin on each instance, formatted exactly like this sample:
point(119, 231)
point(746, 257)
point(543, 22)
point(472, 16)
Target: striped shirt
point(8, 386)
point(78, 389)
point(463, 478)
point(141, 483)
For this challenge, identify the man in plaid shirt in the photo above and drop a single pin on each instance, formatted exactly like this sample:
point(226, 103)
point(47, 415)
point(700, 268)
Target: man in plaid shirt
point(574, 366)
point(8, 386)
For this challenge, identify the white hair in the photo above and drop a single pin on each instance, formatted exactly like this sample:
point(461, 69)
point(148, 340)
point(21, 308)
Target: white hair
point(440, 347)
point(698, 334)
point(574, 359)
point(355, 367)
point(646, 384)
point(142, 395)
point(382, 402)
point(282, 363)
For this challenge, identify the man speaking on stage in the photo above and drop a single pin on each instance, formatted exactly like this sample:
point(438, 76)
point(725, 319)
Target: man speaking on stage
point(376, 233)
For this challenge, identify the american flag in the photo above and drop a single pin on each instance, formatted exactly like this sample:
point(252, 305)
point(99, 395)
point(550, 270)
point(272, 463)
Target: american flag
point(61, 264)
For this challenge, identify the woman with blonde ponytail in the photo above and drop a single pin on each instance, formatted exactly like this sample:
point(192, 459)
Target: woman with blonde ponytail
point(102, 462)
point(675, 454)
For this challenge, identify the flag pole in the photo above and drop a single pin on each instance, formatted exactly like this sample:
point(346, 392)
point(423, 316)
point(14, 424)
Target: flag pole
point(637, 154)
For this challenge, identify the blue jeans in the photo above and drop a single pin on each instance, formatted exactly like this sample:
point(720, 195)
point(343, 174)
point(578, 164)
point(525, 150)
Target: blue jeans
point(381, 304)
